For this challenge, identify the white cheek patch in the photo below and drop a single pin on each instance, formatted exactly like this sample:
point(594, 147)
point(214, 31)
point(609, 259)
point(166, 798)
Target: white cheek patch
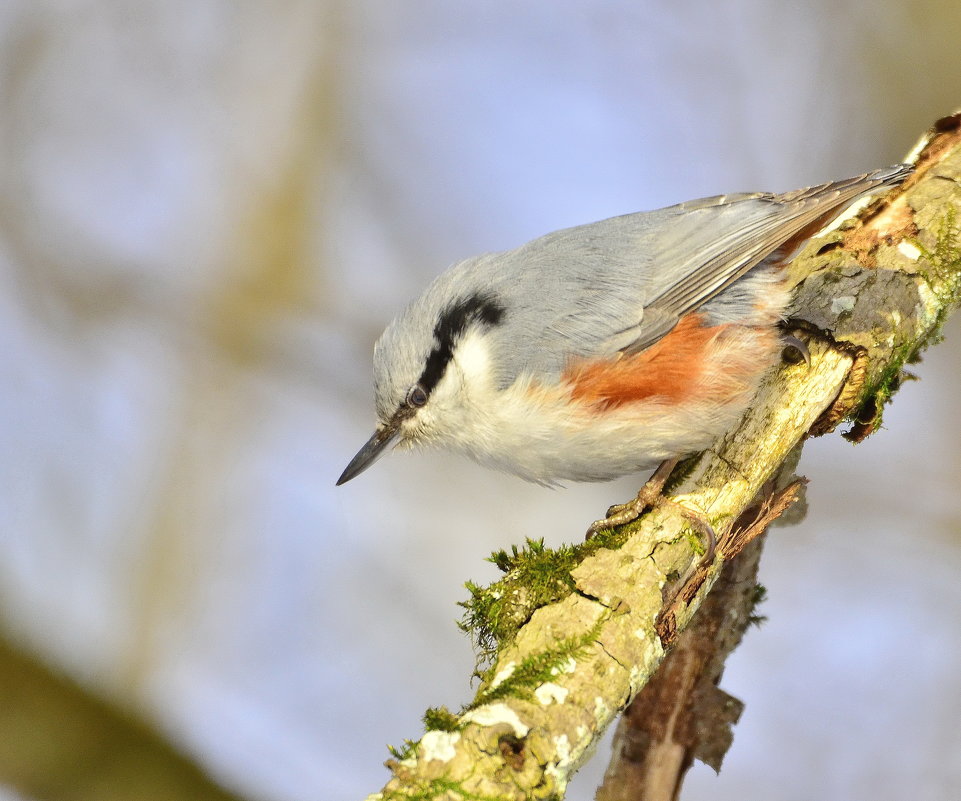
point(473, 358)
point(466, 385)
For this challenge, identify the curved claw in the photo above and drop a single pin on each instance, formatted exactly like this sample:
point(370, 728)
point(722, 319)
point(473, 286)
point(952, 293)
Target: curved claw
point(647, 496)
point(687, 585)
point(703, 525)
point(795, 345)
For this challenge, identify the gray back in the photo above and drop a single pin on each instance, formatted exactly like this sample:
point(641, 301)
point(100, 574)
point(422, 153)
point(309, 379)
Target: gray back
point(615, 285)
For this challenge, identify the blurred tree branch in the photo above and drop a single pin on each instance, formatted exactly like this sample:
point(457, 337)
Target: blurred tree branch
point(572, 636)
point(60, 742)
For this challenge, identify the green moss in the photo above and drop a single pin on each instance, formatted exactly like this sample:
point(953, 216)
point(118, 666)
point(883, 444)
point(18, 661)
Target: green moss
point(535, 576)
point(436, 718)
point(940, 267)
point(440, 718)
point(523, 680)
point(694, 540)
point(435, 789)
point(869, 414)
point(406, 751)
point(683, 469)
point(758, 597)
point(538, 668)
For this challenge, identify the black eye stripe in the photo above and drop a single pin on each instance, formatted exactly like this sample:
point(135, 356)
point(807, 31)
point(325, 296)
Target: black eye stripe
point(481, 308)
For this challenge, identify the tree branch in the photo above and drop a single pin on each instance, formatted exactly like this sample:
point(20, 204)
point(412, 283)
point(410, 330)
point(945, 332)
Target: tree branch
point(571, 636)
point(682, 714)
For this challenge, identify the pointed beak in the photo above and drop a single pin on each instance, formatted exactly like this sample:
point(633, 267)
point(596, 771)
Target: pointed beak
point(371, 452)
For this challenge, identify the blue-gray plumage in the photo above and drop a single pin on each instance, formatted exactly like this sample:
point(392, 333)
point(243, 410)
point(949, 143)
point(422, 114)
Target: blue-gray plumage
point(601, 349)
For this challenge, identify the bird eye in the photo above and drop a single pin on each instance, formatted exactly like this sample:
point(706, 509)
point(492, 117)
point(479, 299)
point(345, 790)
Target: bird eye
point(416, 396)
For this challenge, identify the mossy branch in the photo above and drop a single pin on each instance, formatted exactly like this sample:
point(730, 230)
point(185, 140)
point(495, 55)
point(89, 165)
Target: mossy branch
point(569, 636)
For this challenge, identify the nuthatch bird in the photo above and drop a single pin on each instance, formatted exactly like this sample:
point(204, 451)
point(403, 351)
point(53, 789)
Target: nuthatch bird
point(604, 349)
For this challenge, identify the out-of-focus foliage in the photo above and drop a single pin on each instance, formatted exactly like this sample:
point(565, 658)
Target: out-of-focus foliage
point(59, 742)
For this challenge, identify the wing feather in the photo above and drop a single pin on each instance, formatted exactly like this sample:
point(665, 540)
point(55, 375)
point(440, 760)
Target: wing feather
point(713, 242)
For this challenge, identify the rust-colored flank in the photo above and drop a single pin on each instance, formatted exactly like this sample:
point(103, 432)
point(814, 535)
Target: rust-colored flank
point(694, 363)
point(669, 370)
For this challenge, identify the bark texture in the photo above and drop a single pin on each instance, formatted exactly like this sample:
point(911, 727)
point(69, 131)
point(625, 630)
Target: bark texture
point(682, 714)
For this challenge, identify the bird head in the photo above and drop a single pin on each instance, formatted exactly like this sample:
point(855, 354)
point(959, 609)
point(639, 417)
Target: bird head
point(423, 365)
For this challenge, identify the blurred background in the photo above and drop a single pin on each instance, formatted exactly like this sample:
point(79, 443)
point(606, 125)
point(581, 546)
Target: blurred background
point(210, 209)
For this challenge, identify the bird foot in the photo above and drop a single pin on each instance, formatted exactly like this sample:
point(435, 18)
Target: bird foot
point(647, 497)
